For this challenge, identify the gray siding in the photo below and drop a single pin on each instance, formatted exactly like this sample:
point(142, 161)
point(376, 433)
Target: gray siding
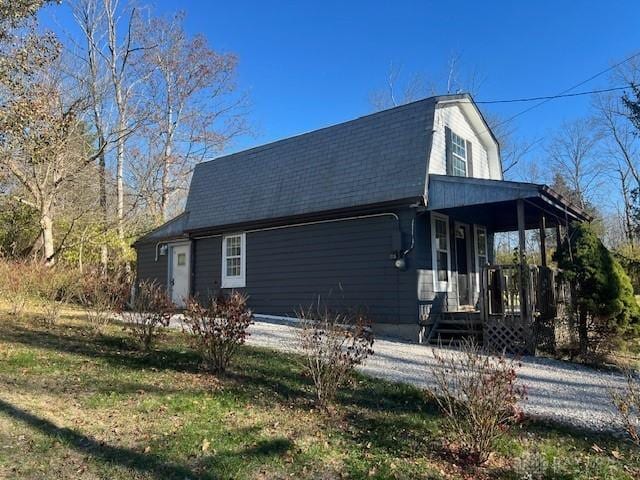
point(207, 267)
point(147, 267)
point(427, 296)
point(345, 264)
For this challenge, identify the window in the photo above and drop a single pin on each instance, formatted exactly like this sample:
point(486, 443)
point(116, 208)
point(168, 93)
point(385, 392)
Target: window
point(233, 260)
point(440, 252)
point(182, 259)
point(458, 155)
point(482, 252)
point(481, 238)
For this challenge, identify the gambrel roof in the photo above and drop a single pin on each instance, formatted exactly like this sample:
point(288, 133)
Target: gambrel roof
point(373, 159)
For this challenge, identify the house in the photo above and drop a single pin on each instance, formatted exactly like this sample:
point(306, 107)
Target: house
point(394, 212)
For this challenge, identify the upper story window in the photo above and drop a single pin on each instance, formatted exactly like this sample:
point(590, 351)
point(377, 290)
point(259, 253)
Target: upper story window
point(458, 155)
point(233, 260)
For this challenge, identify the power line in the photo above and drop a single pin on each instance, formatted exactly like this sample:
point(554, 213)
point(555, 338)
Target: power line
point(592, 77)
point(551, 97)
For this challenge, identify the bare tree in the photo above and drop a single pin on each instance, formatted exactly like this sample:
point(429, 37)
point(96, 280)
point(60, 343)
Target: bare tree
point(123, 51)
point(572, 151)
point(194, 109)
point(89, 18)
point(400, 90)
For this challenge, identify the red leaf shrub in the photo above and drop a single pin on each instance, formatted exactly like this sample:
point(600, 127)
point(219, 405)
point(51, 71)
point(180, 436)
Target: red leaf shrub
point(218, 328)
point(149, 310)
point(102, 294)
point(332, 345)
point(478, 395)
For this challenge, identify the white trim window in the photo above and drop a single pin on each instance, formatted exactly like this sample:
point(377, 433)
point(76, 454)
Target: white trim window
point(234, 260)
point(458, 155)
point(482, 251)
point(441, 252)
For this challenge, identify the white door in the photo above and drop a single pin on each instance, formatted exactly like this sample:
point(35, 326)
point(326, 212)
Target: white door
point(179, 280)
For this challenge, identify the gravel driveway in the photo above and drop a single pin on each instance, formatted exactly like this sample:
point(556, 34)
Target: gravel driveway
point(559, 391)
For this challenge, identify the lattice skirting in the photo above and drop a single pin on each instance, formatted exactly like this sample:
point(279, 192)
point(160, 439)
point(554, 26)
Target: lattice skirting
point(507, 335)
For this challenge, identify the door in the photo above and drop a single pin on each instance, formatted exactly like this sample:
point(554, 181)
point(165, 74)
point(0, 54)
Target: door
point(463, 264)
point(179, 274)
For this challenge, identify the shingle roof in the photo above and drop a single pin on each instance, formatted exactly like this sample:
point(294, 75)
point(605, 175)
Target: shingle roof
point(173, 228)
point(376, 158)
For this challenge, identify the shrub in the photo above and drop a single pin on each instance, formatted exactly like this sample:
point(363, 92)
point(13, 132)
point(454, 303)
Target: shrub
point(102, 295)
point(627, 407)
point(332, 344)
point(602, 294)
point(149, 310)
point(16, 286)
point(478, 396)
point(218, 328)
point(53, 288)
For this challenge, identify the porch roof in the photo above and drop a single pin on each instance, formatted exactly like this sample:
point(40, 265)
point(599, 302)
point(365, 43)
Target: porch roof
point(493, 202)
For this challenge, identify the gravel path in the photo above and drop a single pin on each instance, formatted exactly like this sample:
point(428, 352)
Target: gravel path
point(560, 391)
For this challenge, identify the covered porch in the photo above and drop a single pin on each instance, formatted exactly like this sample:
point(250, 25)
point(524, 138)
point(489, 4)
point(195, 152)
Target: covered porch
point(505, 305)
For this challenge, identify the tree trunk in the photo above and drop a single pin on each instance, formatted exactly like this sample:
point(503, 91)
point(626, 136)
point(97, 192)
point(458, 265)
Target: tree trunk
point(164, 194)
point(120, 176)
point(102, 172)
point(46, 223)
point(583, 333)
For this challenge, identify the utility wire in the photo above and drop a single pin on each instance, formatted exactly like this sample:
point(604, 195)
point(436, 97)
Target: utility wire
point(551, 97)
point(564, 92)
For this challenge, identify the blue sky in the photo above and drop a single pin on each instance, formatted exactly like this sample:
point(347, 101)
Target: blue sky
point(311, 64)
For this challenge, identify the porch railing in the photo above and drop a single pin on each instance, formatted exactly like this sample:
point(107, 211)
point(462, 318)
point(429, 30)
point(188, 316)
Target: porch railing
point(519, 305)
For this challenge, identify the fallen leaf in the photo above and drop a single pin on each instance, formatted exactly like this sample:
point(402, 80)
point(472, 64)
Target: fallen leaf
point(147, 449)
point(617, 455)
point(596, 448)
point(205, 445)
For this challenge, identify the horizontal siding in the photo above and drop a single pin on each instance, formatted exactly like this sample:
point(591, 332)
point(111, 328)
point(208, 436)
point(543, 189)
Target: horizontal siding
point(452, 117)
point(148, 269)
point(207, 271)
point(345, 264)
point(441, 301)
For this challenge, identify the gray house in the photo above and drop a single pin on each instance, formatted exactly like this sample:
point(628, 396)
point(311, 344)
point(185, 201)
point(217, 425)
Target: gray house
point(394, 212)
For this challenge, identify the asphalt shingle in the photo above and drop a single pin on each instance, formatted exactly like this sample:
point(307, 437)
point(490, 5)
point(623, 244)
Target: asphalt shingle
point(377, 158)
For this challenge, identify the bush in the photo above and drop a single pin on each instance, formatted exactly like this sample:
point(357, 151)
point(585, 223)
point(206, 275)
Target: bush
point(14, 290)
point(602, 295)
point(218, 328)
point(149, 310)
point(478, 396)
point(332, 345)
point(102, 295)
point(53, 288)
point(627, 407)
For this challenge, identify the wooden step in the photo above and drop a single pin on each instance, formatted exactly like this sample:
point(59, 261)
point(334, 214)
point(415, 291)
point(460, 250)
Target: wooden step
point(459, 331)
point(455, 322)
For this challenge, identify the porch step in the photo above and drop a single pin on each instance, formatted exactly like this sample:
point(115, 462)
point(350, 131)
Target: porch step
point(451, 328)
point(451, 322)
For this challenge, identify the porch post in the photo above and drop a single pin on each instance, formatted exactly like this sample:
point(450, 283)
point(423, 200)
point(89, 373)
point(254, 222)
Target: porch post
point(524, 301)
point(543, 240)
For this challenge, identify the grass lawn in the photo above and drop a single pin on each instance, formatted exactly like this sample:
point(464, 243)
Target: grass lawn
point(75, 405)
